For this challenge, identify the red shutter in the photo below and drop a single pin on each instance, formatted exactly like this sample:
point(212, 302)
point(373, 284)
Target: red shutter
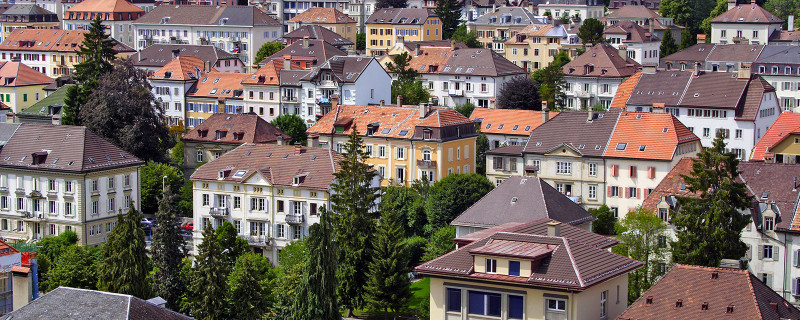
point(627, 192)
point(639, 193)
point(609, 191)
point(633, 171)
point(614, 170)
point(651, 172)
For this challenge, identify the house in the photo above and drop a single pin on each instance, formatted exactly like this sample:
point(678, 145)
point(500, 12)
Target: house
point(404, 143)
point(780, 142)
point(524, 274)
point(264, 93)
point(56, 178)
point(327, 18)
point(508, 126)
point(158, 55)
point(412, 48)
point(617, 5)
point(779, 65)
point(66, 302)
point(10, 257)
point(714, 58)
point(47, 110)
point(117, 16)
point(285, 10)
point(693, 292)
point(642, 45)
point(645, 16)
point(240, 30)
point(520, 199)
point(594, 76)
point(415, 24)
point(215, 92)
point(227, 132)
point(474, 9)
point(745, 23)
point(27, 16)
point(172, 82)
point(320, 33)
point(307, 53)
point(582, 9)
point(534, 47)
point(494, 28)
point(21, 86)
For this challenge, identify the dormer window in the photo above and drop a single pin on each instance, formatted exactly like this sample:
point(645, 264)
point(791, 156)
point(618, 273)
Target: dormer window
point(427, 134)
point(298, 179)
point(769, 223)
point(222, 174)
point(202, 133)
point(220, 134)
point(491, 265)
point(513, 268)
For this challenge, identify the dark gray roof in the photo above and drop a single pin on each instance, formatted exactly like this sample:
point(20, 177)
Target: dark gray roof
point(318, 50)
point(72, 303)
point(344, 68)
point(779, 54)
point(735, 52)
point(507, 16)
point(207, 15)
point(292, 77)
point(696, 53)
point(29, 10)
point(480, 62)
point(318, 32)
point(407, 16)
point(661, 87)
point(6, 131)
point(522, 199)
point(585, 132)
point(158, 55)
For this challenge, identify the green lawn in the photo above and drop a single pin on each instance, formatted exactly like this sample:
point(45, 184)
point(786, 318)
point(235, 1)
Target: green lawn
point(418, 304)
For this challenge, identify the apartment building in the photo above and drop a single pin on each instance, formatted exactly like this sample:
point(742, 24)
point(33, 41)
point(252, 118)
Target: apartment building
point(117, 16)
point(534, 47)
point(27, 16)
point(240, 30)
point(781, 142)
point(156, 56)
point(319, 33)
point(414, 24)
point(21, 86)
point(779, 65)
point(288, 10)
point(263, 92)
point(172, 82)
point(745, 23)
point(645, 16)
point(475, 9)
point(216, 92)
point(495, 28)
point(582, 9)
point(403, 143)
point(714, 58)
point(641, 44)
point(328, 18)
point(593, 77)
point(56, 178)
point(508, 127)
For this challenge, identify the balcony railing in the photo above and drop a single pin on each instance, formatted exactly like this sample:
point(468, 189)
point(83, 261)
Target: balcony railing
point(295, 218)
point(426, 164)
point(289, 99)
point(33, 216)
point(258, 241)
point(218, 211)
point(457, 93)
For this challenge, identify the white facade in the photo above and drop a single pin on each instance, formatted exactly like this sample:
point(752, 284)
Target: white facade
point(641, 52)
point(585, 92)
point(265, 100)
point(173, 97)
point(583, 11)
point(627, 190)
point(752, 33)
point(121, 31)
point(787, 89)
point(456, 90)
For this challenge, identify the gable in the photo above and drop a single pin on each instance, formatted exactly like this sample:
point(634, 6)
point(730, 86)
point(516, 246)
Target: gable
point(564, 150)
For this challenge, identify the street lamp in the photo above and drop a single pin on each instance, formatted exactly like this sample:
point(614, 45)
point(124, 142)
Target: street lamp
point(163, 184)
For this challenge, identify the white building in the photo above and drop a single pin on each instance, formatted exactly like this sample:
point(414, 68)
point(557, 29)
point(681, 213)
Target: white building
point(172, 82)
point(744, 23)
point(642, 45)
point(584, 9)
point(117, 16)
point(593, 77)
point(508, 127)
point(780, 66)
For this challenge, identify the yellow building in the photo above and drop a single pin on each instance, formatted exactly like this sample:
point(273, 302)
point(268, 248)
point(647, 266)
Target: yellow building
point(414, 24)
point(216, 92)
point(494, 28)
point(404, 143)
point(21, 86)
point(328, 18)
point(27, 16)
point(535, 46)
point(781, 142)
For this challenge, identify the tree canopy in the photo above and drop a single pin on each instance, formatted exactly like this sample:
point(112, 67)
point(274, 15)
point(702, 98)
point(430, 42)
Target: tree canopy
point(469, 38)
point(96, 53)
point(642, 236)
point(605, 220)
point(293, 125)
point(249, 290)
point(388, 286)
point(152, 184)
point(407, 84)
point(267, 50)
point(449, 13)
point(125, 267)
point(316, 293)
point(519, 93)
point(668, 45)
point(591, 31)
point(551, 81)
point(452, 195)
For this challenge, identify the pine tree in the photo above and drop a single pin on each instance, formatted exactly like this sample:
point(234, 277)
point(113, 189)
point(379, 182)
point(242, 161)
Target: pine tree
point(249, 291)
point(96, 52)
point(207, 290)
point(353, 202)
point(168, 249)
point(316, 294)
point(449, 13)
point(709, 227)
point(388, 286)
point(125, 266)
point(688, 39)
point(668, 45)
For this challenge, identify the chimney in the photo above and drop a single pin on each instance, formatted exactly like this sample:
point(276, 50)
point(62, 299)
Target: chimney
point(452, 45)
point(334, 98)
point(208, 67)
point(423, 110)
point(416, 49)
point(399, 100)
point(622, 51)
point(731, 4)
point(400, 42)
point(280, 141)
point(383, 103)
point(545, 112)
point(744, 71)
point(298, 149)
point(697, 66)
point(313, 140)
point(305, 42)
point(22, 286)
point(791, 23)
point(652, 22)
point(175, 53)
point(287, 62)
point(554, 228)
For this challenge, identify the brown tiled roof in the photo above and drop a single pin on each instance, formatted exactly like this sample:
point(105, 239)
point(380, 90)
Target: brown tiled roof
point(322, 16)
point(648, 135)
point(747, 13)
point(410, 45)
point(696, 53)
point(570, 264)
point(624, 91)
point(220, 85)
point(66, 149)
point(16, 74)
point(513, 121)
point(522, 199)
point(159, 54)
point(109, 6)
point(752, 98)
point(400, 16)
point(604, 61)
point(785, 36)
point(47, 40)
point(507, 150)
point(181, 69)
point(786, 124)
point(6, 249)
point(317, 51)
point(207, 15)
point(671, 185)
point(776, 182)
point(735, 52)
point(585, 132)
point(320, 33)
point(479, 62)
point(539, 227)
point(253, 128)
point(430, 60)
point(709, 293)
point(277, 164)
point(634, 11)
point(633, 31)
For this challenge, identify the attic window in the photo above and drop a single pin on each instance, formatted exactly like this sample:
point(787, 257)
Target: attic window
point(715, 275)
point(403, 133)
point(649, 300)
point(221, 134)
point(55, 160)
point(597, 147)
point(581, 146)
point(730, 308)
point(527, 128)
point(622, 146)
point(642, 147)
point(765, 195)
point(223, 173)
point(704, 307)
point(696, 94)
point(538, 143)
point(7, 158)
point(639, 116)
point(386, 131)
point(516, 126)
point(108, 158)
point(665, 130)
point(679, 303)
point(514, 199)
point(500, 127)
point(239, 173)
point(298, 179)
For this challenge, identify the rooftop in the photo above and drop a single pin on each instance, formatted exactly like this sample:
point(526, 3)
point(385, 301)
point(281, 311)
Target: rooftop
point(16, 74)
point(648, 135)
point(237, 129)
point(584, 132)
point(220, 85)
point(344, 69)
point(747, 13)
point(787, 124)
point(508, 121)
point(401, 16)
point(49, 40)
point(318, 32)
point(317, 51)
point(159, 54)
point(182, 68)
point(507, 16)
point(322, 16)
point(631, 31)
point(207, 15)
point(105, 6)
point(601, 60)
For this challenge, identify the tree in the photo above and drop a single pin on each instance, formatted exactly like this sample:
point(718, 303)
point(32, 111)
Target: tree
point(551, 86)
point(292, 125)
point(168, 249)
point(408, 204)
point(292, 259)
point(407, 84)
point(783, 8)
point(564, 19)
point(708, 228)
point(353, 200)
point(125, 266)
point(228, 239)
point(643, 236)
point(361, 41)
point(441, 243)
point(249, 291)
point(688, 39)
point(153, 184)
point(50, 250)
point(591, 31)
point(97, 52)
point(465, 109)
point(720, 8)
point(388, 286)
point(680, 11)
point(519, 93)
point(124, 111)
point(449, 13)
point(668, 45)
point(481, 146)
point(391, 4)
point(176, 154)
point(76, 268)
point(605, 220)
point(469, 38)
point(207, 290)
point(452, 195)
point(267, 50)
point(316, 294)
point(399, 66)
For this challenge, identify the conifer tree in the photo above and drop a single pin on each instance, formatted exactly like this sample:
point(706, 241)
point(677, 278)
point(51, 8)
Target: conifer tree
point(168, 249)
point(316, 294)
point(125, 266)
point(249, 290)
point(353, 202)
point(668, 45)
point(388, 286)
point(449, 12)
point(207, 291)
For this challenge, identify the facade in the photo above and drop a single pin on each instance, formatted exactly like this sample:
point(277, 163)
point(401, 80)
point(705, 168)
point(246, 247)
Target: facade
point(779, 65)
point(594, 76)
point(619, 4)
point(745, 23)
point(288, 10)
point(534, 47)
point(414, 24)
point(240, 30)
point(582, 9)
point(215, 92)
point(474, 9)
point(263, 92)
point(172, 82)
point(58, 178)
point(328, 18)
point(508, 127)
point(27, 16)
point(529, 273)
point(713, 58)
point(645, 16)
point(495, 28)
point(780, 143)
point(21, 86)
point(117, 16)
point(158, 55)
point(404, 143)
point(642, 45)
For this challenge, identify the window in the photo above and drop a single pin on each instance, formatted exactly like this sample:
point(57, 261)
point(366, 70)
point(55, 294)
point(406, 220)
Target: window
point(281, 231)
point(237, 202)
point(94, 185)
point(205, 200)
point(280, 205)
point(110, 183)
point(663, 213)
point(592, 169)
point(767, 252)
point(200, 156)
point(769, 223)
point(491, 265)
point(95, 207)
point(401, 153)
point(453, 300)
point(613, 191)
point(592, 191)
point(513, 268)
point(67, 186)
point(564, 167)
point(381, 152)
point(68, 208)
point(632, 192)
point(401, 174)
point(51, 185)
point(297, 232)
point(603, 304)
point(484, 303)
point(706, 132)
point(556, 305)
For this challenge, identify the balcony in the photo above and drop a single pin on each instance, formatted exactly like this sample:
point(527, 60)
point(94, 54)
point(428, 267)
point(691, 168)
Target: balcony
point(327, 84)
point(33, 216)
point(257, 241)
point(295, 219)
point(426, 164)
point(583, 94)
point(288, 99)
point(218, 211)
point(456, 93)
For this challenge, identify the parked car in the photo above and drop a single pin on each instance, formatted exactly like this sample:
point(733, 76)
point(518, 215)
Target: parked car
point(148, 222)
point(189, 226)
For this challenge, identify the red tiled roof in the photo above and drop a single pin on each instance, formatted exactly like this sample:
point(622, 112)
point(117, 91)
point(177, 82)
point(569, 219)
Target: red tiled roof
point(47, 40)
point(322, 16)
point(786, 124)
point(671, 185)
point(513, 121)
point(269, 74)
point(395, 122)
point(624, 91)
point(181, 68)
point(6, 249)
point(648, 135)
point(220, 85)
point(16, 74)
point(104, 6)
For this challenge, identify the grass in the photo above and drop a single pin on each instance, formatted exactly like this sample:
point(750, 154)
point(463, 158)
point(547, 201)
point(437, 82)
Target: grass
point(418, 303)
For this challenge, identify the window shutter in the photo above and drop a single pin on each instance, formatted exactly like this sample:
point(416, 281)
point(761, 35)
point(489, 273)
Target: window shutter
point(749, 253)
point(633, 171)
point(776, 253)
point(609, 191)
point(796, 257)
point(651, 172)
point(627, 192)
point(794, 286)
point(614, 170)
point(760, 252)
point(639, 193)
point(769, 280)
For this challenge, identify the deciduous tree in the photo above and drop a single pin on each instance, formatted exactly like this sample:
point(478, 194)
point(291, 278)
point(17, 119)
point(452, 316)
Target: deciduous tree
point(125, 266)
point(551, 81)
point(469, 38)
point(519, 93)
point(465, 109)
point(292, 125)
point(452, 195)
point(76, 268)
point(406, 203)
point(605, 220)
point(168, 249)
point(228, 239)
point(267, 50)
point(388, 286)
point(481, 146)
point(441, 243)
point(153, 183)
point(643, 237)
point(292, 259)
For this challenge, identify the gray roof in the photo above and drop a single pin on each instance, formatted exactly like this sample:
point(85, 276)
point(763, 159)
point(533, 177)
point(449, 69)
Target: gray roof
point(782, 54)
point(318, 50)
point(406, 16)
point(28, 9)
point(318, 32)
point(598, 3)
point(72, 303)
point(507, 16)
point(696, 53)
point(207, 15)
point(585, 132)
point(661, 87)
point(522, 199)
point(6, 131)
point(158, 55)
point(292, 77)
point(345, 69)
point(480, 62)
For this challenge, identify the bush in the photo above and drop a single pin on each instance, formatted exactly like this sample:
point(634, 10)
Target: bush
point(416, 247)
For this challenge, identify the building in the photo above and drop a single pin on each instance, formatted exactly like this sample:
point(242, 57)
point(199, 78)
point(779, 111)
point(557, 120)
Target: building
point(306, 54)
point(495, 28)
point(644, 15)
point(780, 142)
point(318, 32)
point(9, 258)
point(592, 79)
point(240, 30)
point(641, 44)
point(412, 48)
point(158, 55)
point(582, 9)
point(714, 58)
point(683, 293)
point(529, 273)
point(779, 65)
point(47, 110)
point(27, 16)
point(56, 178)
point(21, 86)
point(475, 9)
point(288, 10)
point(414, 24)
point(264, 93)
point(328, 18)
point(228, 131)
point(745, 23)
point(619, 4)
point(215, 92)
point(404, 143)
point(172, 82)
point(535, 46)
point(508, 127)
point(117, 16)
point(520, 199)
